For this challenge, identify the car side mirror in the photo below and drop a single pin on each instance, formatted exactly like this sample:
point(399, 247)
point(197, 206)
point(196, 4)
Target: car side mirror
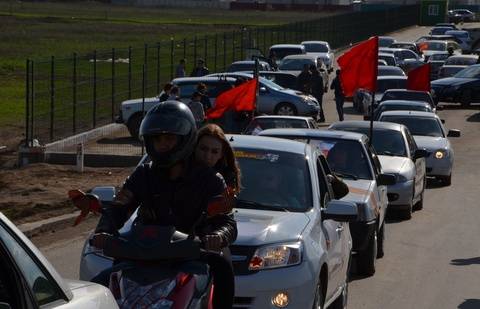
point(263, 89)
point(341, 211)
point(386, 180)
point(5, 306)
point(104, 194)
point(453, 133)
point(420, 153)
point(340, 188)
point(443, 121)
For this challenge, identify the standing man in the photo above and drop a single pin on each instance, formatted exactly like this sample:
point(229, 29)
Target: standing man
point(339, 96)
point(200, 69)
point(197, 109)
point(180, 70)
point(317, 87)
point(304, 80)
point(205, 100)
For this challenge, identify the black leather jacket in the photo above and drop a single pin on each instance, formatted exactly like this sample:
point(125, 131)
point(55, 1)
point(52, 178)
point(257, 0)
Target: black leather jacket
point(179, 202)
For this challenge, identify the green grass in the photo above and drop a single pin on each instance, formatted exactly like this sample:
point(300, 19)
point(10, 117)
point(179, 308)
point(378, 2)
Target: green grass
point(40, 30)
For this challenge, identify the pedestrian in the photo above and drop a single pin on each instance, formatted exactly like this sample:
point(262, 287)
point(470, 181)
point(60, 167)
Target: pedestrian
point(339, 96)
point(317, 88)
point(304, 80)
point(180, 70)
point(200, 69)
point(196, 107)
point(166, 92)
point(272, 60)
point(174, 94)
point(202, 89)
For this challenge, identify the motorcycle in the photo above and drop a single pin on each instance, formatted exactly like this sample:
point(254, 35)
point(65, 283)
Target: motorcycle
point(160, 267)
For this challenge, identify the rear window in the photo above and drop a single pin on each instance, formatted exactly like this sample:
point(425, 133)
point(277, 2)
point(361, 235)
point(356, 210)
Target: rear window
point(460, 61)
point(390, 71)
point(315, 48)
point(281, 52)
point(295, 64)
point(261, 124)
point(390, 60)
point(408, 96)
point(417, 125)
point(385, 84)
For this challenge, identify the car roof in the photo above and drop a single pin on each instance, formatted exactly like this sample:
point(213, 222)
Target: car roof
point(266, 143)
point(410, 113)
point(288, 46)
point(302, 56)
point(386, 54)
point(248, 62)
point(366, 124)
point(315, 42)
point(199, 79)
point(463, 56)
point(404, 42)
point(386, 37)
point(389, 77)
point(228, 74)
point(389, 67)
point(456, 31)
point(283, 117)
point(313, 133)
point(404, 102)
point(405, 90)
point(278, 73)
point(435, 41)
point(392, 49)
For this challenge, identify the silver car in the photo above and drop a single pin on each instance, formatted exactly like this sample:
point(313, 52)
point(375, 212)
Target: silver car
point(28, 280)
point(430, 134)
point(399, 155)
point(322, 50)
point(289, 226)
point(261, 123)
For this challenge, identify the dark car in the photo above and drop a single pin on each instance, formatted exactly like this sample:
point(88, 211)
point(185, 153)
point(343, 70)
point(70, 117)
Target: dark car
point(408, 95)
point(284, 79)
point(396, 105)
point(247, 65)
point(406, 45)
point(460, 15)
point(439, 30)
point(463, 87)
point(390, 71)
point(450, 25)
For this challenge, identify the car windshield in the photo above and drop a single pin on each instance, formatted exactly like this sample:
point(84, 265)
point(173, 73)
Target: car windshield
point(460, 61)
point(284, 183)
point(470, 72)
point(385, 84)
point(315, 48)
point(266, 82)
point(422, 126)
point(241, 67)
point(450, 71)
point(440, 46)
point(408, 96)
point(295, 64)
point(261, 124)
point(440, 56)
point(390, 60)
point(439, 31)
point(390, 71)
point(282, 52)
point(385, 142)
point(346, 158)
point(403, 107)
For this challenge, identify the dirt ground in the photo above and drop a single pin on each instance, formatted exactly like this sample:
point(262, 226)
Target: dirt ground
point(39, 191)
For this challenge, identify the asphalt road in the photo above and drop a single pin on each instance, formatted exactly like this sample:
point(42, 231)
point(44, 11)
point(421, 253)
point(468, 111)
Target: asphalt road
point(431, 261)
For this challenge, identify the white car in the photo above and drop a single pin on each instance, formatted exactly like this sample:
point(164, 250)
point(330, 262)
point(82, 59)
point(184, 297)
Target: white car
point(28, 280)
point(429, 133)
point(322, 50)
point(261, 123)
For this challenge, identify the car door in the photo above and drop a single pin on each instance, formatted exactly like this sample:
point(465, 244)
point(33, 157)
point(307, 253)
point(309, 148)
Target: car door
point(420, 166)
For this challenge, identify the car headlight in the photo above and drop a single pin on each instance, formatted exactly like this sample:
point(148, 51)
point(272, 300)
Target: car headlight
point(401, 178)
point(277, 255)
point(440, 154)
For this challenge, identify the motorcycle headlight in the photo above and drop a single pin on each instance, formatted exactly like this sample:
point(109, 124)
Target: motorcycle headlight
point(440, 154)
point(277, 255)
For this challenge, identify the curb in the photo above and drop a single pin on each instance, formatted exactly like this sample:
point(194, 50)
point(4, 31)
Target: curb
point(51, 224)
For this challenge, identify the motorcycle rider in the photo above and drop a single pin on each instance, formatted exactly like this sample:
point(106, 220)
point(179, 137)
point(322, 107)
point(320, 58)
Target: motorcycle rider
point(172, 189)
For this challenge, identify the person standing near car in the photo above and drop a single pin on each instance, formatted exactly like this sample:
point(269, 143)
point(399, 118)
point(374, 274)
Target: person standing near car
point(202, 89)
point(196, 107)
point(166, 92)
point(339, 96)
point(317, 87)
point(180, 70)
point(174, 94)
point(304, 80)
point(200, 70)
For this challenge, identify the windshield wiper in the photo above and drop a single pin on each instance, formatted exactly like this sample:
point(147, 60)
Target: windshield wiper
point(346, 175)
point(256, 205)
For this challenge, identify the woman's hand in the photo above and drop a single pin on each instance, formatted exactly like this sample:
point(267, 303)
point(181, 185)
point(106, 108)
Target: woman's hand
point(212, 242)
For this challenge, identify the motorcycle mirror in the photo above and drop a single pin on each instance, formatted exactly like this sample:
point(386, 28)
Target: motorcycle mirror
point(85, 203)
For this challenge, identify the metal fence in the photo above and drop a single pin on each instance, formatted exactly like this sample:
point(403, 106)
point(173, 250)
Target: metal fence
point(70, 95)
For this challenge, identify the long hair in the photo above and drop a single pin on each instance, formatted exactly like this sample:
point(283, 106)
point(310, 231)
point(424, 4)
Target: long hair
point(227, 165)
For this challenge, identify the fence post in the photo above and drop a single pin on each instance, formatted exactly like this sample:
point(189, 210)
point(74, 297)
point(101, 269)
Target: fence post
point(27, 102)
point(216, 53)
point(52, 96)
point(158, 68)
point(185, 49)
point(264, 40)
point(224, 51)
point(32, 101)
point(242, 39)
point(129, 72)
point(233, 46)
point(205, 51)
point(113, 84)
point(94, 112)
point(278, 36)
point(194, 51)
point(145, 62)
point(172, 51)
point(74, 94)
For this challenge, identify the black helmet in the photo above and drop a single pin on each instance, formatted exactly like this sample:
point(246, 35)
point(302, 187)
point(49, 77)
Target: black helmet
point(171, 117)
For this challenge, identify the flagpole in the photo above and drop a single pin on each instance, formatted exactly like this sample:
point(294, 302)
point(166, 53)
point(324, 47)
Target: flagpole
point(370, 137)
point(255, 75)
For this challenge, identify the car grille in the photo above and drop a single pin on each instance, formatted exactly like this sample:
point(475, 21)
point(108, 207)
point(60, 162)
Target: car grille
point(241, 256)
point(242, 302)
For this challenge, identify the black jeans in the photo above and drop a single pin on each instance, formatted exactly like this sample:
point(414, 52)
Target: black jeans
point(321, 115)
point(339, 103)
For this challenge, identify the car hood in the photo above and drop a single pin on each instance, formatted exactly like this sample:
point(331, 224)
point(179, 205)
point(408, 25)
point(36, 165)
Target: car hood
point(292, 92)
point(259, 227)
point(451, 81)
point(430, 142)
point(136, 101)
point(393, 165)
point(359, 190)
point(90, 295)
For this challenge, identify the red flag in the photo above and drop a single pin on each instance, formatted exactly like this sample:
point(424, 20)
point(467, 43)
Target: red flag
point(358, 67)
point(419, 78)
point(241, 99)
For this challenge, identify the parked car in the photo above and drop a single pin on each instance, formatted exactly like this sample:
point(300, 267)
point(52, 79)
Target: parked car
point(390, 71)
point(400, 105)
point(406, 45)
point(284, 79)
point(450, 25)
point(261, 123)
point(248, 65)
point(322, 50)
point(285, 217)
point(429, 48)
point(409, 95)
point(388, 58)
point(131, 111)
point(430, 134)
point(411, 64)
point(459, 15)
point(399, 155)
point(275, 100)
point(463, 87)
point(385, 83)
point(436, 61)
point(294, 64)
point(401, 54)
point(442, 37)
point(464, 38)
point(283, 50)
point(360, 168)
point(449, 70)
point(465, 60)
point(439, 30)
point(28, 280)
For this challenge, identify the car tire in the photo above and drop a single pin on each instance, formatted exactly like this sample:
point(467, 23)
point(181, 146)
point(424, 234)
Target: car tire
point(286, 109)
point(367, 258)
point(133, 125)
point(466, 98)
point(342, 299)
point(381, 242)
point(318, 301)
point(446, 180)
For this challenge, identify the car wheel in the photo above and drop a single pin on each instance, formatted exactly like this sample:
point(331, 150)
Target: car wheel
point(133, 125)
point(466, 98)
point(286, 109)
point(342, 299)
point(367, 258)
point(381, 241)
point(318, 301)
point(446, 180)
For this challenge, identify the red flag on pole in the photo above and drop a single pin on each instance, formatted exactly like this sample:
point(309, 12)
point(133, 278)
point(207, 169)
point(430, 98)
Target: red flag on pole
point(359, 67)
point(241, 99)
point(419, 78)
